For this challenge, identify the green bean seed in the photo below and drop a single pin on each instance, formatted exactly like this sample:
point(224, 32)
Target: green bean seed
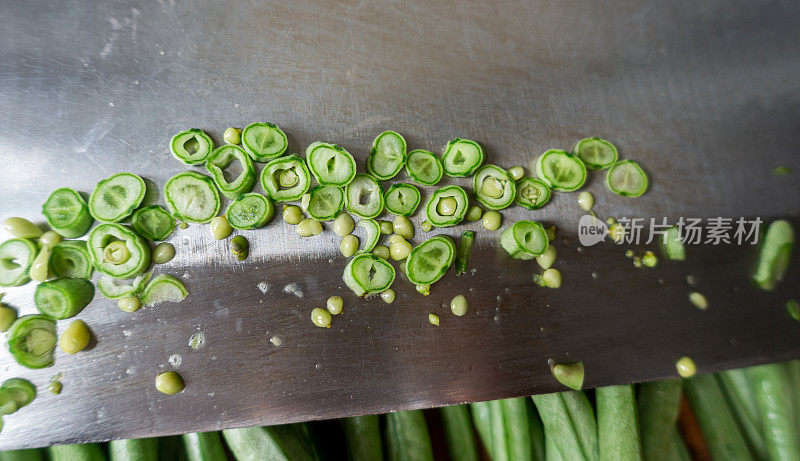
point(617, 232)
point(424, 290)
point(292, 214)
point(447, 206)
point(50, 239)
point(459, 305)
point(240, 247)
point(22, 228)
point(55, 387)
point(629, 254)
point(309, 227)
point(547, 258)
point(232, 135)
point(698, 300)
point(163, 253)
point(399, 250)
point(343, 225)
point(492, 220)
point(75, 338)
point(396, 239)
point(129, 303)
point(516, 172)
point(116, 252)
point(182, 225)
point(39, 270)
point(321, 317)
point(637, 261)
point(387, 227)
point(551, 233)
point(686, 367)
point(433, 319)
point(403, 227)
point(349, 245)
point(552, 278)
point(474, 214)
point(426, 226)
point(7, 317)
point(388, 296)
point(170, 383)
point(585, 200)
point(220, 229)
point(381, 251)
point(649, 259)
point(335, 305)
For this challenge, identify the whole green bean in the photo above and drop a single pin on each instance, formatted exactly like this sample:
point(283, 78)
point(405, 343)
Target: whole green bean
point(722, 436)
point(569, 418)
point(363, 437)
point(204, 446)
point(677, 447)
point(773, 395)
point(517, 428)
point(77, 452)
point(551, 449)
point(741, 398)
point(407, 436)
point(793, 373)
point(538, 444)
point(617, 423)
point(289, 442)
point(34, 454)
point(658, 403)
point(458, 433)
point(133, 450)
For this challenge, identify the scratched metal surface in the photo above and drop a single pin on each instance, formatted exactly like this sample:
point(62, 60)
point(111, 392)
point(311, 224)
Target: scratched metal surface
point(704, 94)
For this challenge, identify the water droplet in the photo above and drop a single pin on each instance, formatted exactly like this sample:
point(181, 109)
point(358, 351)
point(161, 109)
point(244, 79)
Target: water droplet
point(130, 370)
point(263, 287)
point(276, 341)
point(293, 289)
point(318, 366)
point(197, 340)
point(239, 325)
point(496, 318)
point(175, 360)
point(594, 275)
point(127, 332)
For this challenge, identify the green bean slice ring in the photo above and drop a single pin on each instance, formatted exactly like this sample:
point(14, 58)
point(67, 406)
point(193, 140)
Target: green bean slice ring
point(387, 156)
point(627, 179)
point(192, 197)
point(532, 193)
point(363, 196)
point(367, 274)
point(220, 161)
point(250, 211)
point(330, 164)
point(66, 212)
point(70, 258)
point(115, 197)
point(596, 153)
point(373, 231)
point(430, 260)
point(16, 258)
point(64, 297)
point(402, 199)
point(424, 167)
point(163, 288)
point(153, 223)
point(494, 188)
point(462, 157)
point(286, 179)
point(192, 146)
point(323, 203)
point(560, 170)
point(32, 341)
point(113, 288)
point(18, 392)
point(264, 141)
point(447, 206)
point(524, 240)
point(117, 251)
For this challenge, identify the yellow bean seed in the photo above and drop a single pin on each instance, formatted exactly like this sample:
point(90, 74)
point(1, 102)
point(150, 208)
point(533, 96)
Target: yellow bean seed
point(220, 229)
point(492, 220)
point(399, 250)
point(381, 251)
point(321, 317)
point(349, 245)
point(447, 206)
point(585, 200)
point(686, 367)
point(129, 303)
point(388, 296)
point(232, 135)
point(7, 317)
point(426, 226)
point(386, 227)
point(335, 305)
point(552, 278)
point(475, 212)
point(395, 239)
point(170, 383)
point(424, 290)
point(76, 337)
point(50, 239)
point(698, 300)
point(163, 253)
point(22, 228)
point(343, 225)
point(547, 258)
point(516, 172)
point(41, 263)
point(292, 214)
point(459, 305)
point(433, 319)
point(309, 227)
point(649, 259)
point(403, 227)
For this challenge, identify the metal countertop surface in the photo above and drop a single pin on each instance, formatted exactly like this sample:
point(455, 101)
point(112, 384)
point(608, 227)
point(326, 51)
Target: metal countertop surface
point(705, 95)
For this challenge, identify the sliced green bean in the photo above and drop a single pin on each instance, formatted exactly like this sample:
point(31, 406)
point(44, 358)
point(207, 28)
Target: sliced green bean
point(192, 197)
point(494, 187)
point(617, 423)
point(524, 239)
point(250, 211)
point(363, 437)
point(657, 404)
point(16, 393)
point(458, 433)
point(464, 251)
point(366, 274)
point(560, 170)
point(204, 446)
point(323, 203)
point(626, 178)
point(192, 146)
point(430, 260)
point(363, 196)
point(163, 288)
point(115, 197)
point(532, 193)
point(775, 254)
point(218, 163)
point(117, 251)
point(462, 157)
point(424, 167)
point(387, 156)
point(153, 223)
point(402, 199)
point(113, 288)
point(569, 419)
point(63, 298)
point(407, 436)
point(447, 206)
point(264, 141)
point(16, 258)
point(330, 164)
point(286, 179)
point(32, 339)
point(67, 213)
point(774, 397)
point(596, 153)
point(7, 316)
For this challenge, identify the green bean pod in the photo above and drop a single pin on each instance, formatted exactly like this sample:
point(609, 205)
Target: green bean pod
point(658, 403)
point(458, 433)
point(77, 452)
point(677, 447)
point(363, 437)
point(133, 450)
point(617, 423)
point(722, 436)
point(31, 454)
point(740, 395)
point(204, 446)
point(773, 394)
point(407, 436)
point(289, 442)
point(538, 443)
point(569, 418)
